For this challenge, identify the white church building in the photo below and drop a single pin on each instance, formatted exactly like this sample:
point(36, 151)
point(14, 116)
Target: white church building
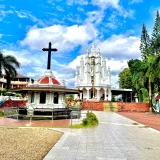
point(93, 77)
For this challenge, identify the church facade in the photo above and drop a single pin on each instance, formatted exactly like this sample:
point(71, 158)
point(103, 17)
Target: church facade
point(93, 77)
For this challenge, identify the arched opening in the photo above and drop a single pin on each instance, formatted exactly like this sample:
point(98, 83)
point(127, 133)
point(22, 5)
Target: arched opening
point(42, 98)
point(55, 99)
point(32, 97)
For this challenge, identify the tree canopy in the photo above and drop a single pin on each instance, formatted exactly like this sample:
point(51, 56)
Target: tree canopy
point(8, 64)
point(144, 73)
point(125, 80)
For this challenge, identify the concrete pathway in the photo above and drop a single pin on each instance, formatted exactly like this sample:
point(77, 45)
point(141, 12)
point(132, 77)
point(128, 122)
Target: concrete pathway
point(115, 138)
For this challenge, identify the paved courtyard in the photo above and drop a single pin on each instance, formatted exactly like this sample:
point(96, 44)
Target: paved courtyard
point(115, 138)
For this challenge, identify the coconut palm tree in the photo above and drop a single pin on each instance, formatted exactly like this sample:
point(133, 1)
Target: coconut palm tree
point(8, 64)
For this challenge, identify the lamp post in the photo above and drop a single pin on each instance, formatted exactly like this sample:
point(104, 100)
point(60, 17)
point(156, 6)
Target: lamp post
point(92, 75)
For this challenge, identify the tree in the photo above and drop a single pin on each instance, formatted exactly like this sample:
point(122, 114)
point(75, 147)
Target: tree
point(145, 43)
point(125, 80)
point(8, 64)
point(156, 35)
point(138, 69)
point(151, 73)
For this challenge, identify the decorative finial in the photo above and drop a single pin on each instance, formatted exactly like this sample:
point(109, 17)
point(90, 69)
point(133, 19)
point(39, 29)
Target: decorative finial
point(63, 82)
point(98, 52)
point(87, 52)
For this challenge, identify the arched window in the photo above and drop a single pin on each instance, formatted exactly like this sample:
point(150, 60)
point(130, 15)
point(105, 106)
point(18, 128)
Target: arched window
point(32, 97)
point(42, 98)
point(55, 99)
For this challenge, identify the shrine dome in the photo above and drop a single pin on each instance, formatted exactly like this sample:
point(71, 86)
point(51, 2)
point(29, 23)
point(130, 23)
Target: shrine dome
point(48, 79)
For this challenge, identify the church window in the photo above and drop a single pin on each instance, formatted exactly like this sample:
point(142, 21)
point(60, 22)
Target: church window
point(55, 99)
point(42, 98)
point(32, 97)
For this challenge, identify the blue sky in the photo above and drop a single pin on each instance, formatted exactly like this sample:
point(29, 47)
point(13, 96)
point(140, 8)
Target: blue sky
point(28, 26)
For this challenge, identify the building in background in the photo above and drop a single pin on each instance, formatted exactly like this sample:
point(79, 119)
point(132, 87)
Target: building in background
point(93, 78)
point(19, 81)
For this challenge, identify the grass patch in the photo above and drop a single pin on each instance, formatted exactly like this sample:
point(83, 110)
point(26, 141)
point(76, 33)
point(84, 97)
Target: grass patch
point(135, 123)
point(90, 121)
point(144, 127)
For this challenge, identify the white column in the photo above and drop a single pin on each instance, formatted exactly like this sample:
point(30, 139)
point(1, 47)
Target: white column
point(109, 94)
point(98, 94)
point(50, 98)
point(80, 95)
point(87, 93)
point(35, 98)
point(29, 98)
point(105, 95)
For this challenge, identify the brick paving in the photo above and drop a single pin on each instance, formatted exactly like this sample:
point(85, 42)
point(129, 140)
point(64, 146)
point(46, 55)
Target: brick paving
point(149, 119)
point(35, 123)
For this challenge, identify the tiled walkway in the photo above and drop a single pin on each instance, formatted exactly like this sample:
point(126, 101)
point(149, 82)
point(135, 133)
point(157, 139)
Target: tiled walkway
point(115, 138)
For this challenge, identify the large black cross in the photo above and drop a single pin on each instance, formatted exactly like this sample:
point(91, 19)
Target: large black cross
point(49, 49)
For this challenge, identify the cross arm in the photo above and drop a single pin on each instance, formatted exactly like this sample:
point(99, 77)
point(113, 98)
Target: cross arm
point(52, 49)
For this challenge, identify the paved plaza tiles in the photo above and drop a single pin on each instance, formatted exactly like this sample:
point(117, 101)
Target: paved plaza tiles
point(115, 138)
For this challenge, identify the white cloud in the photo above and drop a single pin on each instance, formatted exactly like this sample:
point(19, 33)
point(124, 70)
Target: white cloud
point(135, 1)
point(95, 16)
point(126, 13)
point(120, 47)
point(20, 56)
point(25, 14)
point(106, 3)
point(80, 2)
point(4, 13)
point(75, 63)
point(62, 37)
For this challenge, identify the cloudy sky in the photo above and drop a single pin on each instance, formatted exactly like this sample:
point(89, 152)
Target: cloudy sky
point(28, 26)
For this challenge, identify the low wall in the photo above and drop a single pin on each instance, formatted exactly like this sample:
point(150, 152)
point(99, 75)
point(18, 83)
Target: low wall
point(133, 107)
point(14, 103)
point(116, 106)
point(96, 106)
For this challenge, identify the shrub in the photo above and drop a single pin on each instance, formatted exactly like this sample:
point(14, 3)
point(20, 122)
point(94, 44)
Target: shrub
point(146, 100)
point(92, 119)
point(85, 121)
point(19, 95)
point(1, 113)
point(89, 121)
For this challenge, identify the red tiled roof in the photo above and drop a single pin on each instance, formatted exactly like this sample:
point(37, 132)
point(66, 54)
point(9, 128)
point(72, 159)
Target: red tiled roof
point(19, 75)
point(45, 80)
point(158, 96)
point(54, 81)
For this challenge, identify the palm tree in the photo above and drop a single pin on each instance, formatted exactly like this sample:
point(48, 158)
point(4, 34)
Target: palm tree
point(152, 73)
point(8, 64)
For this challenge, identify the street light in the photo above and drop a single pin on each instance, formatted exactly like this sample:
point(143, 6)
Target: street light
point(93, 72)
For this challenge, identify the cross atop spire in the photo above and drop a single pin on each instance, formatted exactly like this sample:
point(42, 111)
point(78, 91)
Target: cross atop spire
point(49, 49)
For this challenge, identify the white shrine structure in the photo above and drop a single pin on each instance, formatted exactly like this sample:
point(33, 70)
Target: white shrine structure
point(46, 92)
point(93, 78)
